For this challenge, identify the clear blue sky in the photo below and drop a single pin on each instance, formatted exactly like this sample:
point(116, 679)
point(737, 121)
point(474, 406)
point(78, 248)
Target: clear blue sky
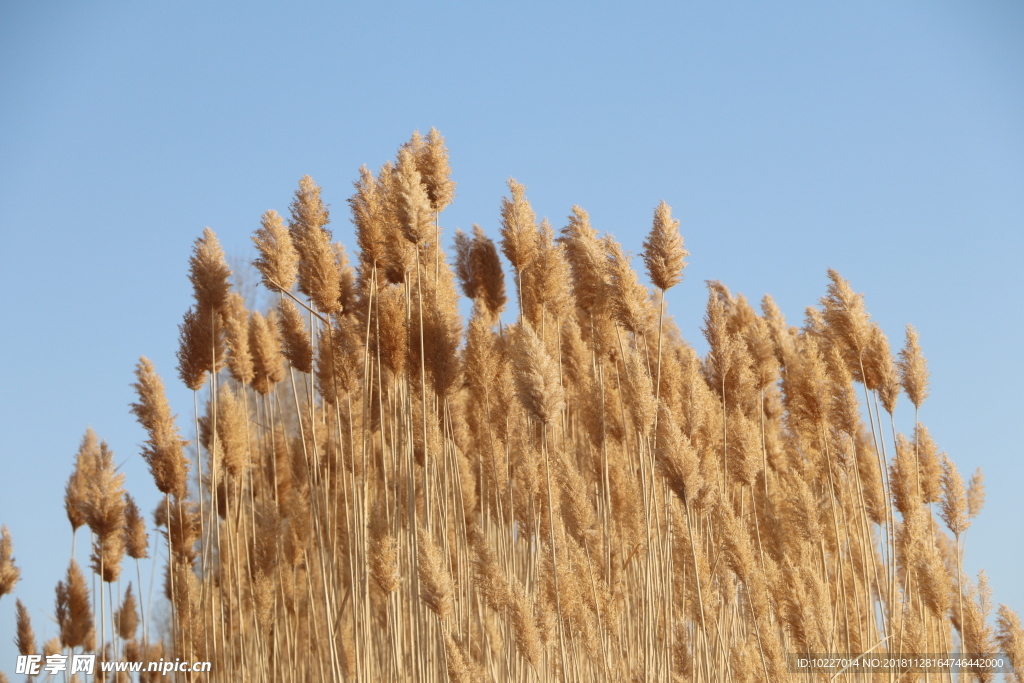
point(882, 139)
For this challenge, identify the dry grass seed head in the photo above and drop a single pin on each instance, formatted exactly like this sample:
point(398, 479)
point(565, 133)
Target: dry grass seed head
point(164, 451)
point(663, 250)
point(518, 227)
point(782, 334)
point(585, 254)
point(487, 266)
point(297, 347)
point(73, 610)
point(536, 376)
point(75, 492)
point(880, 363)
point(465, 269)
point(318, 274)
point(975, 494)
point(437, 587)
point(913, 369)
point(392, 333)
point(639, 391)
point(432, 163)
point(136, 540)
point(9, 573)
point(127, 617)
point(953, 507)
point(339, 359)
point(231, 431)
point(267, 358)
point(279, 261)
point(415, 214)
point(844, 408)
point(762, 353)
point(104, 512)
point(847, 323)
point(1010, 636)
point(903, 478)
point(200, 346)
point(547, 292)
point(347, 295)
point(630, 300)
point(236, 335)
point(25, 640)
point(929, 464)
point(367, 206)
point(399, 253)
point(208, 272)
point(675, 456)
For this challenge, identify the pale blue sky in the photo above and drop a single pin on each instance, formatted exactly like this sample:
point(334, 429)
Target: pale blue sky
point(882, 139)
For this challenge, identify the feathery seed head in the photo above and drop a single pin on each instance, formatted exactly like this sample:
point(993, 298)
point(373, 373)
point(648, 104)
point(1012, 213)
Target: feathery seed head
point(265, 345)
point(929, 464)
point(208, 272)
point(879, 364)
point(435, 580)
point(518, 227)
point(547, 292)
point(415, 214)
point(9, 573)
point(585, 254)
point(663, 250)
point(432, 163)
point(236, 334)
point(953, 507)
point(75, 496)
point(164, 451)
point(630, 300)
point(913, 369)
point(136, 540)
point(73, 611)
point(279, 261)
point(127, 617)
point(231, 432)
point(368, 215)
point(976, 494)
point(26, 638)
point(200, 346)
point(847, 323)
point(536, 376)
point(318, 271)
point(297, 347)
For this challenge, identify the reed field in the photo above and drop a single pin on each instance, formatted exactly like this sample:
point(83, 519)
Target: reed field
point(371, 488)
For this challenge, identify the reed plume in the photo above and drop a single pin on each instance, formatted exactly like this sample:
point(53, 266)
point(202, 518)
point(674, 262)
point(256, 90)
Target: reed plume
point(278, 262)
point(267, 357)
point(663, 250)
point(318, 275)
point(9, 573)
point(536, 376)
point(75, 491)
point(414, 210)
point(297, 347)
point(136, 540)
point(209, 273)
point(164, 451)
point(236, 335)
point(913, 369)
point(26, 637)
point(368, 216)
point(73, 610)
point(127, 616)
point(435, 171)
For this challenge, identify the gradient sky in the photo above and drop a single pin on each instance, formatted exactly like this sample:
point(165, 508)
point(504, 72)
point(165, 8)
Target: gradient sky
point(885, 140)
